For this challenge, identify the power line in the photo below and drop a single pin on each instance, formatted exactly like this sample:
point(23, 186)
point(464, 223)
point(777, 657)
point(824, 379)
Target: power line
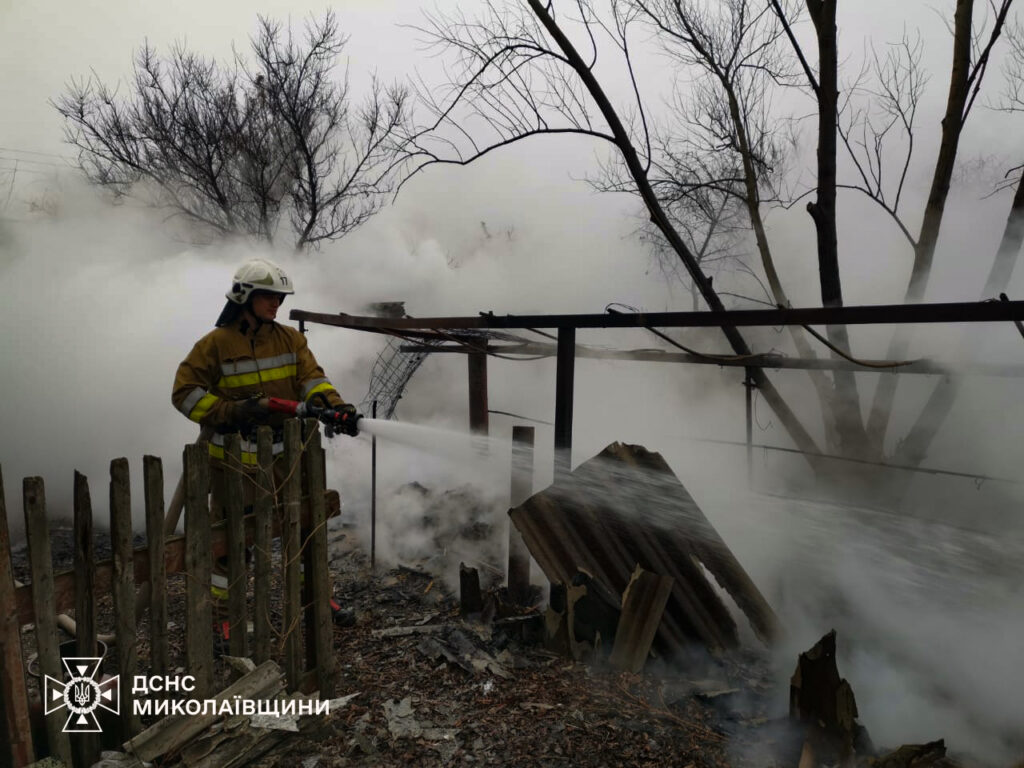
point(33, 152)
point(26, 170)
point(906, 467)
point(9, 159)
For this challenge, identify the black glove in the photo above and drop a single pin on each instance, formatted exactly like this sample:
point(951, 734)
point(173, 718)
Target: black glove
point(245, 413)
point(344, 420)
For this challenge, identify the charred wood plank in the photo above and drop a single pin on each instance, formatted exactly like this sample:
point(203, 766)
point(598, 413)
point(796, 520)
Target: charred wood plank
point(320, 627)
point(238, 642)
point(13, 694)
point(521, 489)
point(123, 589)
point(153, 489)
point(471, 599)
point(175, 731)
point(825, 702)
point(291, 630)
point(199, 614)
point(593, 616)
point(37, 530)
point(86, 747)
point(642, 606)
point(263, 511)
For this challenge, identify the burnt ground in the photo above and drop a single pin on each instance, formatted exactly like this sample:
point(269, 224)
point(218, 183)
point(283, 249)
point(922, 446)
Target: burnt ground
point(434, 689)
point(456, 692)
point(478, 693)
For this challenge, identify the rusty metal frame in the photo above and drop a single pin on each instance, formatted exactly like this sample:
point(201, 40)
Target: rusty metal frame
point(565, 349)
point(879, 314)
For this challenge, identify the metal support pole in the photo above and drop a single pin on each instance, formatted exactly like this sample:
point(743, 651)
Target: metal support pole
point(521, 489)
point(748, 385)
point(478, 418)
point(373, 495)
point(564, 377)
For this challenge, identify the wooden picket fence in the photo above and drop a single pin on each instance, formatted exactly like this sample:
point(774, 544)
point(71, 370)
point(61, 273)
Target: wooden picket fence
point(299, 517)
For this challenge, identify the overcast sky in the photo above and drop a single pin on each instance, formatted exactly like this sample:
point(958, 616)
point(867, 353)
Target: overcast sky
point(49, 41)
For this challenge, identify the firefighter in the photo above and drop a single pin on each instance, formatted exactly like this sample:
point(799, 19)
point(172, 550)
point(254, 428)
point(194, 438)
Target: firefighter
point(226, 381)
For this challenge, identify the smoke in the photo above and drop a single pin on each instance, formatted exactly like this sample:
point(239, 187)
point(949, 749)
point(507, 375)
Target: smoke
point(101, 305)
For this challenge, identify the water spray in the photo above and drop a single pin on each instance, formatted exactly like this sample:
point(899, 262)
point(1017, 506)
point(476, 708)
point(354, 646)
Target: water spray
point(435, 440)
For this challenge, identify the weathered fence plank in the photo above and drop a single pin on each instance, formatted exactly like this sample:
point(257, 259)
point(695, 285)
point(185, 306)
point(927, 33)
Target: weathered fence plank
point(86, 747)
point(37, 531)
point(174, 559)
point(238, 644)
point(263, 511)
point(19, 750)
point(319, 626)
point(292, 554)
point(85, 602)
point(123, 590)
point(308, 426)
point(153, 488)
point(199, 618)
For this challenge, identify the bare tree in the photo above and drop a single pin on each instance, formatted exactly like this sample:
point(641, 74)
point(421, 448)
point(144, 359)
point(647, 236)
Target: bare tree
point(519, 75)
point(524, 73)
point(710, 221)
point(733, 59)
point(232, 148)
point(914, 447)
point(972, 50)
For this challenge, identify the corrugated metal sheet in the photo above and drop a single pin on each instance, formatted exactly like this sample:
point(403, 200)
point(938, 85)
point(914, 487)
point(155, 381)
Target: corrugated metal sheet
point(625, 508)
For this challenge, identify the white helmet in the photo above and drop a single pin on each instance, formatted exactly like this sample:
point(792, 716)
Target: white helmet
point(258, 275)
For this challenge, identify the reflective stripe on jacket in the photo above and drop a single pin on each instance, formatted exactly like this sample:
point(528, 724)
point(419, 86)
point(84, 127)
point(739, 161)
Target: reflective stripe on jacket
point(249, 456)
point(236, 362)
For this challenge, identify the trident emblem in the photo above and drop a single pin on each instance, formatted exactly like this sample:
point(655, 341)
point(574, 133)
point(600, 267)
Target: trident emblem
point(82, 695)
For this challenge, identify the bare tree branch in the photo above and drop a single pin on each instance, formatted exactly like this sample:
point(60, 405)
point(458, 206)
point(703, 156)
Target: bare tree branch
point(232, 147)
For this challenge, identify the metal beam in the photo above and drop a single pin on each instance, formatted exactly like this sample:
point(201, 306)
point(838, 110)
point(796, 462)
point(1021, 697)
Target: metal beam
point(962, 312)
point(922, 366)
point(565, 371)
point(478, 420)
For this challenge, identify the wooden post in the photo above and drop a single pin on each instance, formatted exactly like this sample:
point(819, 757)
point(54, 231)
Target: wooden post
point(521, 489)
point(478, 418)
point(86, 747)
point(292, 554)
point(13, 693)
point(37, 530)
point(263, 510)
point(199, 616)
point(153, 489)
point(123, 583)
point(238, 643)
point(320, 626)
point(471, 599)
point(565, 368)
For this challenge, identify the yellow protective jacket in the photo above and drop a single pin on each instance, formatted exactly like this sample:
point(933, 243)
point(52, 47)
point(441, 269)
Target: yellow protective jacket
point(236, 362)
